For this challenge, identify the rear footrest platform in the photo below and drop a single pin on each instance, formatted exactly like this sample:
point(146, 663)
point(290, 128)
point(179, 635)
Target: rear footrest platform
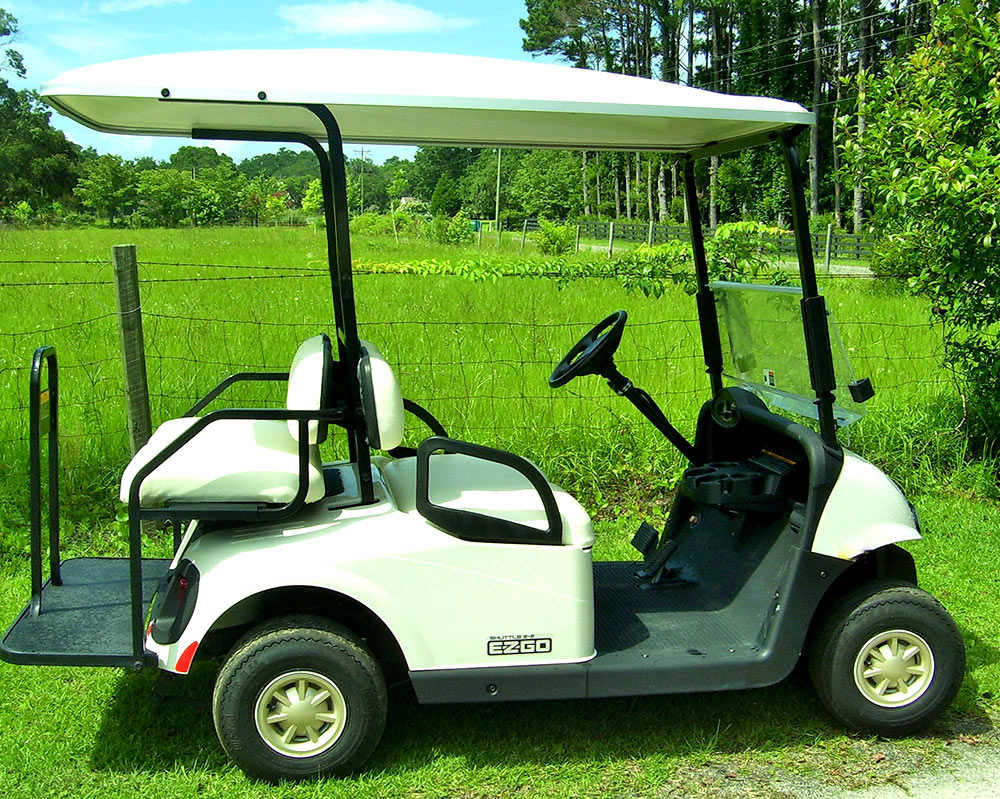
point(86, 621)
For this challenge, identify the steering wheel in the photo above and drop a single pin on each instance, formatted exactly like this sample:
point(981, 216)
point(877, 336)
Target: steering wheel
point(591, 354)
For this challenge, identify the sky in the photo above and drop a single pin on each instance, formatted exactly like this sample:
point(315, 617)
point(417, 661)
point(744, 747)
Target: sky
point(55, 36)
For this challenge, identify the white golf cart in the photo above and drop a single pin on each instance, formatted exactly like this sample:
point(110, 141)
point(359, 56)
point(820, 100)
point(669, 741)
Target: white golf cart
point(460, 567)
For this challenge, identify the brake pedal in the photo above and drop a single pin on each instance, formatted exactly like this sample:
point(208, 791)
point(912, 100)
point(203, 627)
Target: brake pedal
point(645, 539)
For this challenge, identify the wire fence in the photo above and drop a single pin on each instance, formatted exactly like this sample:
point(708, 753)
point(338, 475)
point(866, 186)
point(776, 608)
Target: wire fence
point(477, 354)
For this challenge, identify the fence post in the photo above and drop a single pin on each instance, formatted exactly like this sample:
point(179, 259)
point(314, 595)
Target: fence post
point(577, 239)
point(611, 238)
point(829, 246)
point(499, 234)
point(133, 352)
point(524, 233)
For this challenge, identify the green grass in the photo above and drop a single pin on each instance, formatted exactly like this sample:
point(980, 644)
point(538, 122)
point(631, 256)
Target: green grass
point(86, 732)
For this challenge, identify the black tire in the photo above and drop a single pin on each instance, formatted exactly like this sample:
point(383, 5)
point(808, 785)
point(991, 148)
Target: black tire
point(887, 659)
point(333, 688)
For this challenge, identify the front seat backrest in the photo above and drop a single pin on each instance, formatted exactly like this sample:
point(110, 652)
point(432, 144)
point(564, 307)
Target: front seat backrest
point(381, 400)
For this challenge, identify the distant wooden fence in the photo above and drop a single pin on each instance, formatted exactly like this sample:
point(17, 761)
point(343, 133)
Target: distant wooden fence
point(843, 246)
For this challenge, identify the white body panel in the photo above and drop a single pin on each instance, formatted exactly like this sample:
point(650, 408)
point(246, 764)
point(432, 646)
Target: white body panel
point(442, 598)
point(865, 511)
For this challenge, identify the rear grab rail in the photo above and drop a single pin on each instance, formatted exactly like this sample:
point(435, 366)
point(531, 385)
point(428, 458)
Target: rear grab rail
point(43, 420)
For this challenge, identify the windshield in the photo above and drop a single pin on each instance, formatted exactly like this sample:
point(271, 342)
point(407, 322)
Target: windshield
point(764, 350)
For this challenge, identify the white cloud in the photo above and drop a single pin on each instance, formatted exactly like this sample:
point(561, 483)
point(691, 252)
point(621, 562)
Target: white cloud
point(117, 6)
point(94, 45)
point(362, 17)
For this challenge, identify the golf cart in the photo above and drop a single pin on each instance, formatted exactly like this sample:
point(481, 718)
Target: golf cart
point(458, 567)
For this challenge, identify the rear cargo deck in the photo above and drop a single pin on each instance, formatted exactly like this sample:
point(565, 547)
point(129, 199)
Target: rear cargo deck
point(86, 621)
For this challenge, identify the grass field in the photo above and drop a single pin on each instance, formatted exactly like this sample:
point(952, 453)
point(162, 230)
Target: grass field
point(477, 354)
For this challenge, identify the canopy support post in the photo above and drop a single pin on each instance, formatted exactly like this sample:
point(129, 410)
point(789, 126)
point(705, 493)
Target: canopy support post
point(814, 313)
point(708, 319)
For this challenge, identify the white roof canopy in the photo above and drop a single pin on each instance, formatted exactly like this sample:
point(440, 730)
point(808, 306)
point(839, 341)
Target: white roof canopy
point(410, 98)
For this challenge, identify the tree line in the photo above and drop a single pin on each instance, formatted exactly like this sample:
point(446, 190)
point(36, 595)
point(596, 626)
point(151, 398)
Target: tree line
point(816, 52)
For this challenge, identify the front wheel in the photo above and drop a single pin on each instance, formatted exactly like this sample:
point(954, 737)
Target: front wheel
point(887, 659)
point(299, 698)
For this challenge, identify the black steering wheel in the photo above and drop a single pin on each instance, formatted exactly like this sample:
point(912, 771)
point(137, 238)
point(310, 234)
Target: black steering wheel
point(593, 353)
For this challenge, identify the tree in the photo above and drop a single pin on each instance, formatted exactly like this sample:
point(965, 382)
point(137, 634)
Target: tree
point(430, 163)
point(38, 164)
point(192, 159)
point(12, 60)
point(931, 161)
point(265, 197)
point(312, 200)
point(547, 184)
point(165, 196)
point(445, 201)
point(109, 186)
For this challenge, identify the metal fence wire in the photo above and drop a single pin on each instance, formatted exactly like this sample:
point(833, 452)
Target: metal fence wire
point(476, 354)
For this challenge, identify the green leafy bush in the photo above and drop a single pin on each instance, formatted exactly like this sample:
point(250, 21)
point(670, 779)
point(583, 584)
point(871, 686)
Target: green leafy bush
point(896, 255)
point(930, 157)
point(553, 239)
point(456, 230)
point(745, 252)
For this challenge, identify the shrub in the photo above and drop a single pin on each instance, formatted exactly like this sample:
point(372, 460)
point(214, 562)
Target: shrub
point(895, 256)
point(553, 239)
point(457, 230)
point(930, 160)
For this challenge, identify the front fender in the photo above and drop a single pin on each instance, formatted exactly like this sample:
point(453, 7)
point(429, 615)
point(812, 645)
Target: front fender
point(865, 512)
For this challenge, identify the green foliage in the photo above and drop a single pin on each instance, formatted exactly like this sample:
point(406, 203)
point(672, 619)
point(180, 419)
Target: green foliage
point(446, 199)
point(312, 200)
point(892, 258)
point(22, 212)
point(744, 252)
point(109, 186)
point(164, 197)
point(930, 157)
point(266, 197)
point(375, 224)
point(456, 230)
point(547, 184)
point(554, 239)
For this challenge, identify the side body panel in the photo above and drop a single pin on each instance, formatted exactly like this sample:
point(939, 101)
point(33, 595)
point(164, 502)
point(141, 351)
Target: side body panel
point(449, 603)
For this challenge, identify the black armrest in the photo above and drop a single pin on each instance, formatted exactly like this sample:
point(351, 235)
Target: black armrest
point(472, 526)
point(241, 377)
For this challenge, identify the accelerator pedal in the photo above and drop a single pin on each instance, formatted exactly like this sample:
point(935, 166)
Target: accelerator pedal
point(645, 539)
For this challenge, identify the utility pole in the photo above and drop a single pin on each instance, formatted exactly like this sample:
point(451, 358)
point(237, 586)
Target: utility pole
point(361, 203)
point(497, 211)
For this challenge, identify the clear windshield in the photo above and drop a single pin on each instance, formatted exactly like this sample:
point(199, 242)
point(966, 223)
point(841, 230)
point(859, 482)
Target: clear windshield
point(764, 350)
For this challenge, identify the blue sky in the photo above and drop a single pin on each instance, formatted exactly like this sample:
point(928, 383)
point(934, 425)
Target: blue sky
point(55, 36)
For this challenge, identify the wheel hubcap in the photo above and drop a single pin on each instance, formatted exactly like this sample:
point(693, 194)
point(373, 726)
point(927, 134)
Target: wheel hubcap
point(300, 714)
point(894, 668)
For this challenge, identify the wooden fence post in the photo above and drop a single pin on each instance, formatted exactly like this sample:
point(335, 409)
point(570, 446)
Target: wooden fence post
point(611, 238)
point(133, 351)
point(829, 246)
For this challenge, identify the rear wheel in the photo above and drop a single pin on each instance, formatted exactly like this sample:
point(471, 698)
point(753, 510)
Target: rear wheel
point(887, 659)
point(299, 698)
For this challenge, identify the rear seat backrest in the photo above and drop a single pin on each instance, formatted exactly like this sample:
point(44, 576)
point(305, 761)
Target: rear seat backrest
point(308, 384)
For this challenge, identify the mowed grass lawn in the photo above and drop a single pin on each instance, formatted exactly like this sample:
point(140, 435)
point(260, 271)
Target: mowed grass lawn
point(477, 354)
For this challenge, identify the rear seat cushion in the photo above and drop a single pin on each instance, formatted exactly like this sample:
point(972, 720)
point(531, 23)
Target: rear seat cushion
point(231, 460)
point(481, 486)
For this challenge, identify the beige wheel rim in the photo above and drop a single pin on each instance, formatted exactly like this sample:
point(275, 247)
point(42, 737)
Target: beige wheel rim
point(894, 668)
point(300, 714)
